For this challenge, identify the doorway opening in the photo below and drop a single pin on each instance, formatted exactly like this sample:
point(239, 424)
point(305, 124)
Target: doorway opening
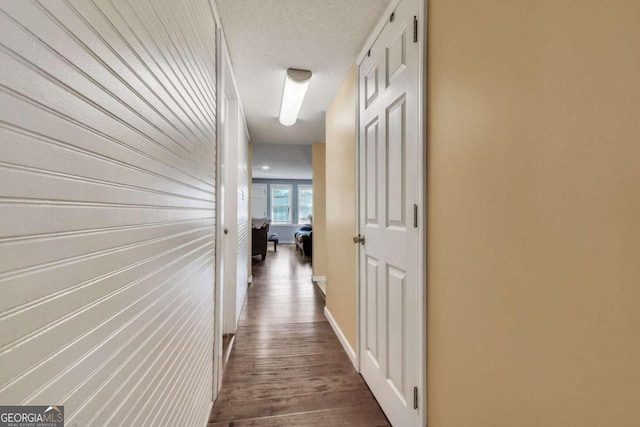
point(282, 201)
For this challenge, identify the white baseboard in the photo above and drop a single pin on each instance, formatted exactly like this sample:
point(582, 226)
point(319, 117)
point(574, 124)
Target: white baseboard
point(321, 282)
point(323, 287)
point(343, 340)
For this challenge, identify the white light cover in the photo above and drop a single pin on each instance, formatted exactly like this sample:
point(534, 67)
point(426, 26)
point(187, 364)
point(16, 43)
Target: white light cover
point(295, 87)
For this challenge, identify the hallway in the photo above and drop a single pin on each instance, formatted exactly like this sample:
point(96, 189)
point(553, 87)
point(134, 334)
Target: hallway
point(287, 366)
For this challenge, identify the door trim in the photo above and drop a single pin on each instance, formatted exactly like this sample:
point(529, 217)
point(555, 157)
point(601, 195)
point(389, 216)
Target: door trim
point(376, 31)
point(225, 76)
point(422, 192)
point(219, 275)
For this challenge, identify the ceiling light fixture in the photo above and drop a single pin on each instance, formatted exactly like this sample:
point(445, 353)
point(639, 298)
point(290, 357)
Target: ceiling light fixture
point(295, 87)
point(265, 168)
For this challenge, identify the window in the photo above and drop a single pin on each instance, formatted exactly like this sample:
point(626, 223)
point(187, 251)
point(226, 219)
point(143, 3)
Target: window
point(281, 204)
point(305, 203)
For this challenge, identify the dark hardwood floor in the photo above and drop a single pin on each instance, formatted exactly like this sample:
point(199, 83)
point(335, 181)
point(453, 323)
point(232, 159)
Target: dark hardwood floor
point(287, 367)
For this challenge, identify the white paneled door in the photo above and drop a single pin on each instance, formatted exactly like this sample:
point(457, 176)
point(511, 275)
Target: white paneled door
point(259, 200)
point(389, 158)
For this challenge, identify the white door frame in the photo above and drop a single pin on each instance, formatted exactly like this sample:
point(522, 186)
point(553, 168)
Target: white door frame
point(224, 78)
point(422, 188)
point(230, 219)
point(220, 205)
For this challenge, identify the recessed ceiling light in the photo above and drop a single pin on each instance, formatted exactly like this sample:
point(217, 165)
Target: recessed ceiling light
point(295, 87)
point(265, 167)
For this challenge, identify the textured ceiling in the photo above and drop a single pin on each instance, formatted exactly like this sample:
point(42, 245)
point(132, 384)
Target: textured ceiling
point(284, 161)
point(266, 37)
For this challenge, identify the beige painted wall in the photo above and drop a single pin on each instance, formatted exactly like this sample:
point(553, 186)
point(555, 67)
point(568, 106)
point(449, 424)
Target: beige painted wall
point(341, 206)
point(318, 166)
point(534, 210)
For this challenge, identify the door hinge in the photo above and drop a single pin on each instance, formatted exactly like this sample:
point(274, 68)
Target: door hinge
point(415, 398)
point(392, 17)
point(415, 29)
point(369, 53)
point(415, 216)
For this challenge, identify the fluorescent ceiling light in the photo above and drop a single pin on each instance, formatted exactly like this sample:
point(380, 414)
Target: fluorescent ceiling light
point(265, 167)
point(295, 87)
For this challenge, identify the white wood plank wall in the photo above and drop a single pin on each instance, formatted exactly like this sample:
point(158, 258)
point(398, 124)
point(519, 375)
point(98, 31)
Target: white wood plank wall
point(107, 208)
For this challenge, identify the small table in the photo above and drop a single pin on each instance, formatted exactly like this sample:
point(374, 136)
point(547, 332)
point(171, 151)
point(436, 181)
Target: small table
point(273, 237)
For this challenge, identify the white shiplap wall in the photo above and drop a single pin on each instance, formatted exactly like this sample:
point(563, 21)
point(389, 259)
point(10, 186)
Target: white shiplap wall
point(107, 208)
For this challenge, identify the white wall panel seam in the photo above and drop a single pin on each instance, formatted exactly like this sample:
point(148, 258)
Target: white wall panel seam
point(156, 49)
point(78, 233)
point(27, 170)
point(93, 130)
point(127, 43)
point(194, 72)
point(123, 61)
point(9, 274)
point(88, 154)
point(10, 344)
point(98, 59)
point(176, 373)
point(43, 7)
point(82, 336)
point(190, 312)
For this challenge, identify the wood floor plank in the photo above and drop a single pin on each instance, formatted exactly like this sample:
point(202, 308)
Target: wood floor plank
point(334, 382)
point(298, 343)
point(358, 416)
point(242, 409)
point(262, 376)
point(287, 367)
point(256, 362)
